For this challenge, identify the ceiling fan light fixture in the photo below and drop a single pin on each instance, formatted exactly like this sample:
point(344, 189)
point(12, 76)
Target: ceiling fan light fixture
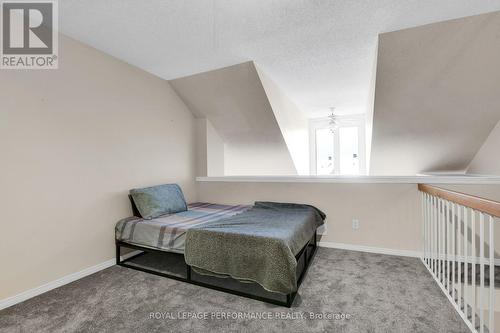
point(333, 121)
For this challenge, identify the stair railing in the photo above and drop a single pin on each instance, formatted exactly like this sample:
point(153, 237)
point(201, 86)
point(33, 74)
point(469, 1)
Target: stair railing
point(450, 251)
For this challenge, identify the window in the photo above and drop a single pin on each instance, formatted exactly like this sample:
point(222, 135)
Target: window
point(338, 152)
point(324, 151)
point(349, 150)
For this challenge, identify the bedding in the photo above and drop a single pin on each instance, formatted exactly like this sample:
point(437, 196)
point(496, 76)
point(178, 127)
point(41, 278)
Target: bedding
point(258, 245)
point(159, 200)
point(168, 232)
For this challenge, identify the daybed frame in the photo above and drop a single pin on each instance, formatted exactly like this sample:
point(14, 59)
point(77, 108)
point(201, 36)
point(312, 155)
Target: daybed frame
point(306, 253)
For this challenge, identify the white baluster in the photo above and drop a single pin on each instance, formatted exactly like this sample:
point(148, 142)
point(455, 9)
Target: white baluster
point(481, 272)
point(491, 313)
point(443, 242)
point(466, 262)
point(429, 210)
point(473, 263)
point(447, 237)
point(434, 236)
point(448, 249)
point(453, 251)
point(422, 231)
point(426, 240)
point(459, 253)
point(440, 236)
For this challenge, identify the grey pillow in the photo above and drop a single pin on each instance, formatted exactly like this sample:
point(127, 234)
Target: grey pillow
point(159, 200)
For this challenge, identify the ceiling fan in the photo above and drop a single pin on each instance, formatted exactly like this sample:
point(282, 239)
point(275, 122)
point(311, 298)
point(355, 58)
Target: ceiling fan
point(333, 120)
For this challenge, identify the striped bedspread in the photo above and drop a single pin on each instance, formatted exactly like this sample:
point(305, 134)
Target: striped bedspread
point(168, 232)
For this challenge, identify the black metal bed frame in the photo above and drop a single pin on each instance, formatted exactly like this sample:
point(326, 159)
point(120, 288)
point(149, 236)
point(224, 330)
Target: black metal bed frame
point(307, 253)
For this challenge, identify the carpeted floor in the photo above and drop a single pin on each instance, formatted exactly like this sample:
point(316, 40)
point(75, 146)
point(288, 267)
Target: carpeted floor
point(377, 293)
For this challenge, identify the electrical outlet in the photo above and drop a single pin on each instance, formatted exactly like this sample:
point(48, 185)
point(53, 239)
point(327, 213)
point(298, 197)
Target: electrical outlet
point(355, 224)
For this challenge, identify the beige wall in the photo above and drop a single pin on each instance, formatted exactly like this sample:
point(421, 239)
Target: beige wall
point(388, 213)
point(209, 149)
point(201, 146)
point(215, 152)
point(72, 142)
point(487, 159)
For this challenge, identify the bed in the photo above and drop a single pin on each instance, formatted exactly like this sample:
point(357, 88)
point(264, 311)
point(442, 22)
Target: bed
point(271, 244)
point(168, 232)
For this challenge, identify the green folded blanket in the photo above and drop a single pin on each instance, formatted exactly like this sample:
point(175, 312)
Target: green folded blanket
point(257, 245)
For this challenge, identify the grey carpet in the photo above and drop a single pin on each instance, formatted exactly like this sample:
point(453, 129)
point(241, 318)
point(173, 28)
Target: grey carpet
point(381, 294)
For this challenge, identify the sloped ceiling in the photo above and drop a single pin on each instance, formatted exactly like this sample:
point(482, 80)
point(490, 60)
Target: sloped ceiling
point(234, 101)
point(437, 95)
point(487, 159)
point(320, 53)
point(293, 124)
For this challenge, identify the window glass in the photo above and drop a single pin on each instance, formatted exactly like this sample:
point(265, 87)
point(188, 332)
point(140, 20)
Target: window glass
point(348, 150)
point(324, 151)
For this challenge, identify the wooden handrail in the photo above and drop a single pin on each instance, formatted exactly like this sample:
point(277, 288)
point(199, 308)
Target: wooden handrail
point(483, 205)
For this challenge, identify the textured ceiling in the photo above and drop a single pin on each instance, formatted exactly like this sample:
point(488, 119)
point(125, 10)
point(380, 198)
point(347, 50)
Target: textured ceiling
point(321, 53)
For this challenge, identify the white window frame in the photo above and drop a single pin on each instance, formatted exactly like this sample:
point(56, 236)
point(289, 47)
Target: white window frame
point(343, 121)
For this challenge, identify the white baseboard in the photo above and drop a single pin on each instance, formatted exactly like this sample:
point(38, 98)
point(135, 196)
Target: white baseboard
point(370, 249)
point(9, 301)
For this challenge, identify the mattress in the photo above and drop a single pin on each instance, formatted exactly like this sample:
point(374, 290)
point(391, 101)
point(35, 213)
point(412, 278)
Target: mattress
point(259, 245)
point(168, 232)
